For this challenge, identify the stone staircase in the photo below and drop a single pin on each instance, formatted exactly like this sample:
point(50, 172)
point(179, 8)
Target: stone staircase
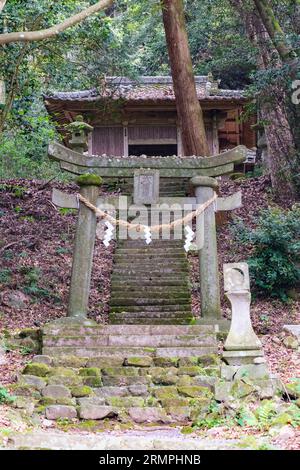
point(150, 284)
point(130, 373)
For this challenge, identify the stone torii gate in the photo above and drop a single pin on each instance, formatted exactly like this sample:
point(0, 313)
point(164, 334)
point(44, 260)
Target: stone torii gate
point(201, 171)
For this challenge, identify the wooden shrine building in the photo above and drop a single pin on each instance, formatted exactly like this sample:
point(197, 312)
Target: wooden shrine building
point(139, 117)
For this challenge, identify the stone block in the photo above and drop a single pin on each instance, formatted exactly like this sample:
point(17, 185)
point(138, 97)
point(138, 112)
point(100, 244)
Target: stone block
point(143, 361)
point(69, 361)
point(146, 186)
point(194, 391)
point(54, 412)
point(62, 372)
point(185, 380)
point(112, 391)
point(242, 389)
point(56, 392)
point(25, 391)
point(68, 381)
point(165, 392)
point(175, 402)
point(124, 381)
point(94, 401)
point(125, 402)
point(87, 411)
point(102, 362)
point(252, 372)
point(38, 369)
point(41, 359)
point(92, 381)
point(33, 381)
point(223, 391)
point(179, 414)
point(236, 277)
point(205, 381)
point(81, 391)
point(188, 361)
point(237, 358)
point(90, 372)
point(149, 415)
point(119, 371)
point(166, 361)
point(190, 370)
point(138, 390)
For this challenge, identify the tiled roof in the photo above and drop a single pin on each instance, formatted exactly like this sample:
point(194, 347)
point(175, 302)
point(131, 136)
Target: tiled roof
point(151, 89)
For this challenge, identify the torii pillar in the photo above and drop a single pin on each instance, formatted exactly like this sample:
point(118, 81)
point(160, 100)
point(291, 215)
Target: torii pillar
point(205, 188)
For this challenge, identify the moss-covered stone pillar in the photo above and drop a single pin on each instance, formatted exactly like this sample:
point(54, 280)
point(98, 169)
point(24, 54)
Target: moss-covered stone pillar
point(86, 226)
point(205, 188)
point(83, 248)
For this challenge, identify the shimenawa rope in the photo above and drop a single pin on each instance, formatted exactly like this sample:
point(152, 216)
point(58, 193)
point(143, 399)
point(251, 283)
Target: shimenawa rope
point(155, 228)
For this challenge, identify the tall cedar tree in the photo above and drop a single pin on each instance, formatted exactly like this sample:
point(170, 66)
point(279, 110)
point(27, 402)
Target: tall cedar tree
point(189, 111)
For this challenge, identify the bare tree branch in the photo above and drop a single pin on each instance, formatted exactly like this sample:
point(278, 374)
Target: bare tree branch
point(30, 36)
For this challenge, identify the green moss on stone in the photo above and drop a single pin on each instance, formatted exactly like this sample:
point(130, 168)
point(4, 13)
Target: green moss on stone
point(188, 361)
point(90, 372)
point(175, 402)
point(190, 370)
point(194, 391)
point(46, 401)
point(165, 392)
point(38, 369)
point(184, 381)
point(25, 391)
point(62, 372)
point(81, 391)
point(126, 402)
point(166, 361)
point(93, 381)
point(69, 361)
point(30, 333)
point(209, 359)
point(89, 180)
point(68, 381)
point(143, 361)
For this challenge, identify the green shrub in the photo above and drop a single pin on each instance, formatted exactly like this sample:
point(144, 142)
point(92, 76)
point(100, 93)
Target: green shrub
point(275, 243)
point(5, 276)
point(5, 397)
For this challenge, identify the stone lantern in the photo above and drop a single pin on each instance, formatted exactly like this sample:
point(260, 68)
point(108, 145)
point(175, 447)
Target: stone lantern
point(80, 131)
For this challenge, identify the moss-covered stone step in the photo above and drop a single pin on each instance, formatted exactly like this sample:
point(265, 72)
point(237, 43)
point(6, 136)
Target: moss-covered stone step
point(125, 380)
point(45, 363)
point(88, 340)
point(154, 321)
point(147, 282)
point(152, 308)
point(142, 253)
point(175, 291)
point(150, 293)
point(203, 339)
point(149, 301)
point(148, 263)
point(54, 329)
point(144, 314)
point(155, 244)
point(129, 351)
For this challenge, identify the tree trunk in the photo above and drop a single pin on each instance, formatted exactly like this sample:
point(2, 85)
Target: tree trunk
point(273, 110)
point(189, 111)
point(287, 55)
